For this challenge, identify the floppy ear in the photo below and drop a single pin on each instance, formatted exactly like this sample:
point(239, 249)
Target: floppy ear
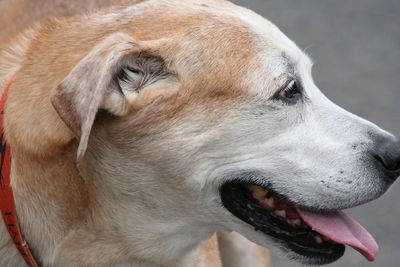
point(113, 72)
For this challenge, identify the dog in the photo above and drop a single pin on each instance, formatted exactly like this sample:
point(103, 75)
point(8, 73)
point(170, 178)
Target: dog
point(139, 130)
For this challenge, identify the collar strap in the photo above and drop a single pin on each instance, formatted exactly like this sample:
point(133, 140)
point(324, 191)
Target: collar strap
point(7, 206)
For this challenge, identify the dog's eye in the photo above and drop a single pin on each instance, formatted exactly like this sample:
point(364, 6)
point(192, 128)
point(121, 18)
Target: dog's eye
point(290, 93)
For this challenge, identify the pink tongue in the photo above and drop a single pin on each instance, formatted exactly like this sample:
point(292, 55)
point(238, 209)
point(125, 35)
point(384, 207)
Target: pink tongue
point(342, 229)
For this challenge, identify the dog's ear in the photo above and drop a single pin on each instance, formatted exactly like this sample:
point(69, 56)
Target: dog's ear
point(113, 73)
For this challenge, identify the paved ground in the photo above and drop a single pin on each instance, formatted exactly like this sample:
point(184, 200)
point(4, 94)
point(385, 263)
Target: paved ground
point(356, 48)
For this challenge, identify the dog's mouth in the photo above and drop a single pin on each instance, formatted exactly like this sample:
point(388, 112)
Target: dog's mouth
point(319, 237)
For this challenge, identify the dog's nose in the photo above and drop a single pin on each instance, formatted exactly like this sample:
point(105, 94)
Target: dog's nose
point(388, 154)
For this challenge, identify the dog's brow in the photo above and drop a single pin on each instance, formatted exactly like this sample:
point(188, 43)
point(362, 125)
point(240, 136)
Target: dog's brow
point(303, 63)
point(297, 59)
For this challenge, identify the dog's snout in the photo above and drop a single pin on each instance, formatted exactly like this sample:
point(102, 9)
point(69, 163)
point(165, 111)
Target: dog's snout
point(388, 154)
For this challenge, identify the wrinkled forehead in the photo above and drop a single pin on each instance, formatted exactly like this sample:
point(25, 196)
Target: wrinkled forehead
point(241, 49)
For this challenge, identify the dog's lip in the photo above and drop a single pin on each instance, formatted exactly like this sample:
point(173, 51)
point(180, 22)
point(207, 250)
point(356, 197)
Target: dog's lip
point(300, 239)
point(333, 226)
point(340, 228)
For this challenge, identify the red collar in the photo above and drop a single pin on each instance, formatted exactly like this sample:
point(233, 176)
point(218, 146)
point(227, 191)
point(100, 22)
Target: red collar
point(7, 206)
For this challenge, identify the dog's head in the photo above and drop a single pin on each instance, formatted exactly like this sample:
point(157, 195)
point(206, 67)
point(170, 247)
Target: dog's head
point(203, 116)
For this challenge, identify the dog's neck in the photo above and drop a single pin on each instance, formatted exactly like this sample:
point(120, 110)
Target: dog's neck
point(134, 222)
point(62, 221)
point(50, 199)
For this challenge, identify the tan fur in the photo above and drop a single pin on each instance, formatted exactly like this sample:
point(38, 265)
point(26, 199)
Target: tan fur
point(232, 247)
point(39, 10)
point(206, 256)
point(64, 208)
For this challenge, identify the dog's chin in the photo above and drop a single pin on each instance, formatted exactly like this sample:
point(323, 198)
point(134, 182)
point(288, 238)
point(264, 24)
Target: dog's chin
point(271, 215)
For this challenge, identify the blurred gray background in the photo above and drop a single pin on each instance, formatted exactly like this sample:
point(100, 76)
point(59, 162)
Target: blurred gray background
point(356, 48)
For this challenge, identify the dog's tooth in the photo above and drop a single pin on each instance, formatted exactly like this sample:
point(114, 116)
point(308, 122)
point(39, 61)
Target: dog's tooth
point(270, 202)
point(318, 239)
point(296, 222)
point(257, 191)
point(281, 213)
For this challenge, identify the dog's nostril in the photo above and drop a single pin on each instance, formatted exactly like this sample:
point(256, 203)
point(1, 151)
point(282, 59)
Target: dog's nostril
point(380, 160)
point(389, 155)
